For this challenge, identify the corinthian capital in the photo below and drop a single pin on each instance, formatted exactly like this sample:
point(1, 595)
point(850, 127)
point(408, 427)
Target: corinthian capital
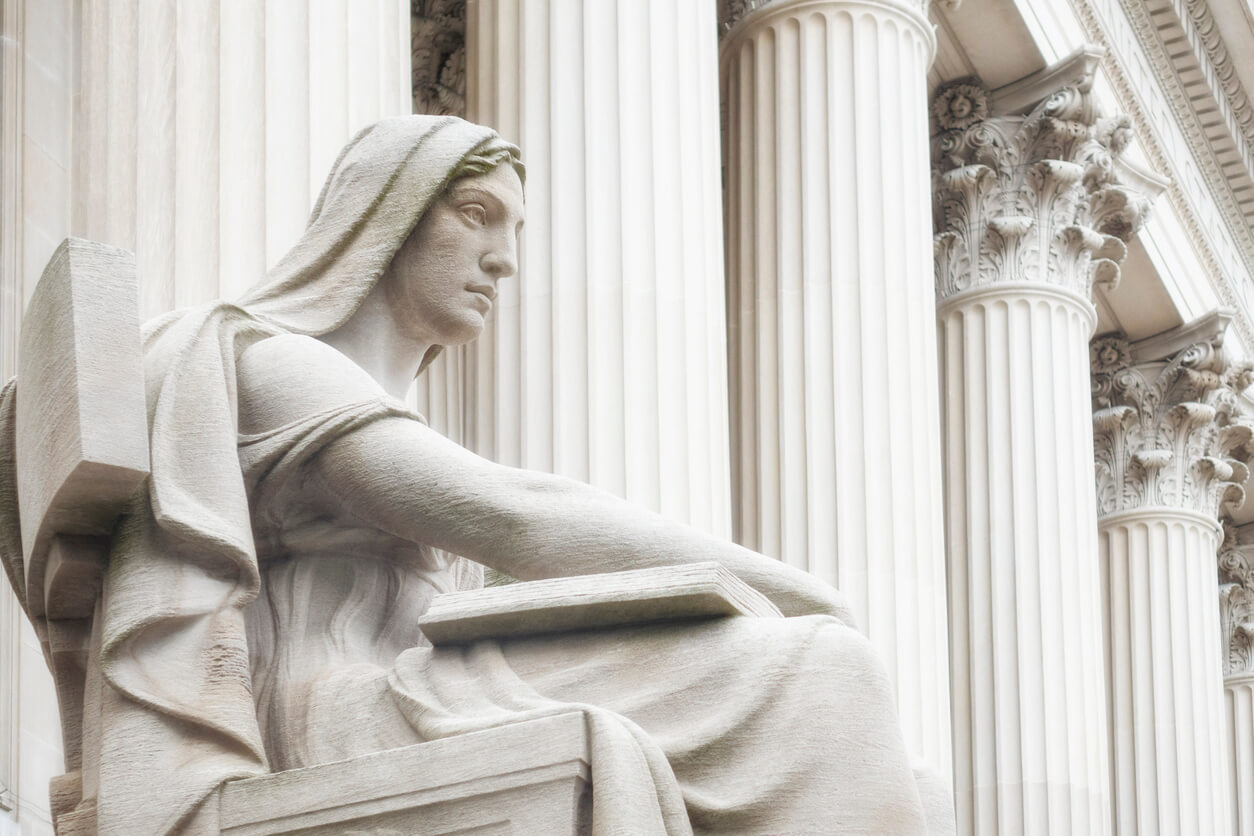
point(1028, 184)
point(438, 47)
point(731, 12)
point(1236, 605)
point(1169, 432)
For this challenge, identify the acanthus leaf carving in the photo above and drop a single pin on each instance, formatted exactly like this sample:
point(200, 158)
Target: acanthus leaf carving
point(730, 12)
point(1236, 605)
point(438, 44)
point(1031, 198)
point(1169, 433)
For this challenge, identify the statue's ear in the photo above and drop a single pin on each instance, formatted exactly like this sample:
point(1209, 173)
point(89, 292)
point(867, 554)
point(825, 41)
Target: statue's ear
point(432, 353)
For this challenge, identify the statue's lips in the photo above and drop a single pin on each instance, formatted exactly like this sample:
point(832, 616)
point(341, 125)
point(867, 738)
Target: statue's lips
point(487, 292)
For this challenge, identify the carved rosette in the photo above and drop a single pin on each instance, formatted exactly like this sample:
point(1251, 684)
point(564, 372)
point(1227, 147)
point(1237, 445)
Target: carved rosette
point(1169, 434)
point(730, 12)
point(1236, 607)
point(438, 44)
point(1028, 198)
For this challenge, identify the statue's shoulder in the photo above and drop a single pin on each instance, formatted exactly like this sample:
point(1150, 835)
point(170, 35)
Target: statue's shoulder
point(286, 378)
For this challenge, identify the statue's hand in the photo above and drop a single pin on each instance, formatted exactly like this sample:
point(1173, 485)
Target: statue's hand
point(795, 592)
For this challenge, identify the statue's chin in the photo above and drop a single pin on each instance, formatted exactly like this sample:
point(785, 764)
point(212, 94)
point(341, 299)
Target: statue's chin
point(452, 326)
point(466, 332)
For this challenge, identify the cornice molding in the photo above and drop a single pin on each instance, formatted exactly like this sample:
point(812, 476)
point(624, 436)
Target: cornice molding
point(1197, 104)
point(1169, 433)
point(1224, 79)
point(438, 45)
point(1207, 328)
point(1035, 197)
point(1022, 96)
point(1218, 189)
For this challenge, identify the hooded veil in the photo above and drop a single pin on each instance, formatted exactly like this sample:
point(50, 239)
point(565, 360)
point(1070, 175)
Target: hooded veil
point(177, 715)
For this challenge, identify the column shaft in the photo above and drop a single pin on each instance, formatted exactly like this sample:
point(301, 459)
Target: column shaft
point(1030, 213)
point(1239, 713)
point(1167, 719)
point(1236, 626)
point(605, 359)
point(1172, 449)
point(205, 128)
point(836, 454)
point(1028, 696)
point(37, 90)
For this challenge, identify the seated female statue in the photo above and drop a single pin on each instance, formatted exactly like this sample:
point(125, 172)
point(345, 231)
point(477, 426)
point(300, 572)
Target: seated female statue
point(262, 600)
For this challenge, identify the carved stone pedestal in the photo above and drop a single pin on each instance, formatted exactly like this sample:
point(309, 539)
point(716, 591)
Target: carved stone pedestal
point(527, 778)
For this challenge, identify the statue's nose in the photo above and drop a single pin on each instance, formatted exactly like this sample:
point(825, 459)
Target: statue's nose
point(500, 262)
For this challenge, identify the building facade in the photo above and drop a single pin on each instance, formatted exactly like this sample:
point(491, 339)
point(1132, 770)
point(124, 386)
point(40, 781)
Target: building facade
point(948, 303)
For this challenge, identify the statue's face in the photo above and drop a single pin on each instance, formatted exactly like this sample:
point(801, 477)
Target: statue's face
point(442, 282)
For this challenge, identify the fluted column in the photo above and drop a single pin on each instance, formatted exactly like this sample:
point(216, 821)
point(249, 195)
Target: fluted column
point(832, 346)
point(1029, 214)
point(1171, 451)
point(206, 127)
point(605, 359)
point(1236, 626)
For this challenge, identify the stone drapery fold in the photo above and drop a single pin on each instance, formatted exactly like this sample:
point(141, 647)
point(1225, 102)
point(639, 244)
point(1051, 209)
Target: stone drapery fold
point(183, 565)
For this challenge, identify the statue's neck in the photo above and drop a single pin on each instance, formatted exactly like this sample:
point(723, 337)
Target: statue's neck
point(372, 339)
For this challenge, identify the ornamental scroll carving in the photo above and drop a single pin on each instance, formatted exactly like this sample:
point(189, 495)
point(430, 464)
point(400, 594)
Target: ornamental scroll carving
point(1169, 433)
point(438, 44)
point(1236, 605)
point(1029, 198)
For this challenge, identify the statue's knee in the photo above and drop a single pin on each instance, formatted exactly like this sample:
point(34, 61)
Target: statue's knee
point(853, 658)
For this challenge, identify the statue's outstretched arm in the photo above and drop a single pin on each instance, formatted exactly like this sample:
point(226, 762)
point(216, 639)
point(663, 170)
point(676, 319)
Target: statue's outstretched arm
point(409, 480)
point(400, 476)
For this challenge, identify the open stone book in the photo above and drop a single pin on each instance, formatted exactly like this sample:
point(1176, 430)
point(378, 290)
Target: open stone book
point(613, 599)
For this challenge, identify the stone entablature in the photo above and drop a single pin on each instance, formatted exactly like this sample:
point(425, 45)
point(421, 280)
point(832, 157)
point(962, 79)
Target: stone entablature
point(1036, 197)
point(1176, 145)
point(1169, 432)
point(1201, 83)
point(1219, 70)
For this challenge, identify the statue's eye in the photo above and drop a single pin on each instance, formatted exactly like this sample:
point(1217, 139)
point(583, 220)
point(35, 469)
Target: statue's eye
point(475, 213)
